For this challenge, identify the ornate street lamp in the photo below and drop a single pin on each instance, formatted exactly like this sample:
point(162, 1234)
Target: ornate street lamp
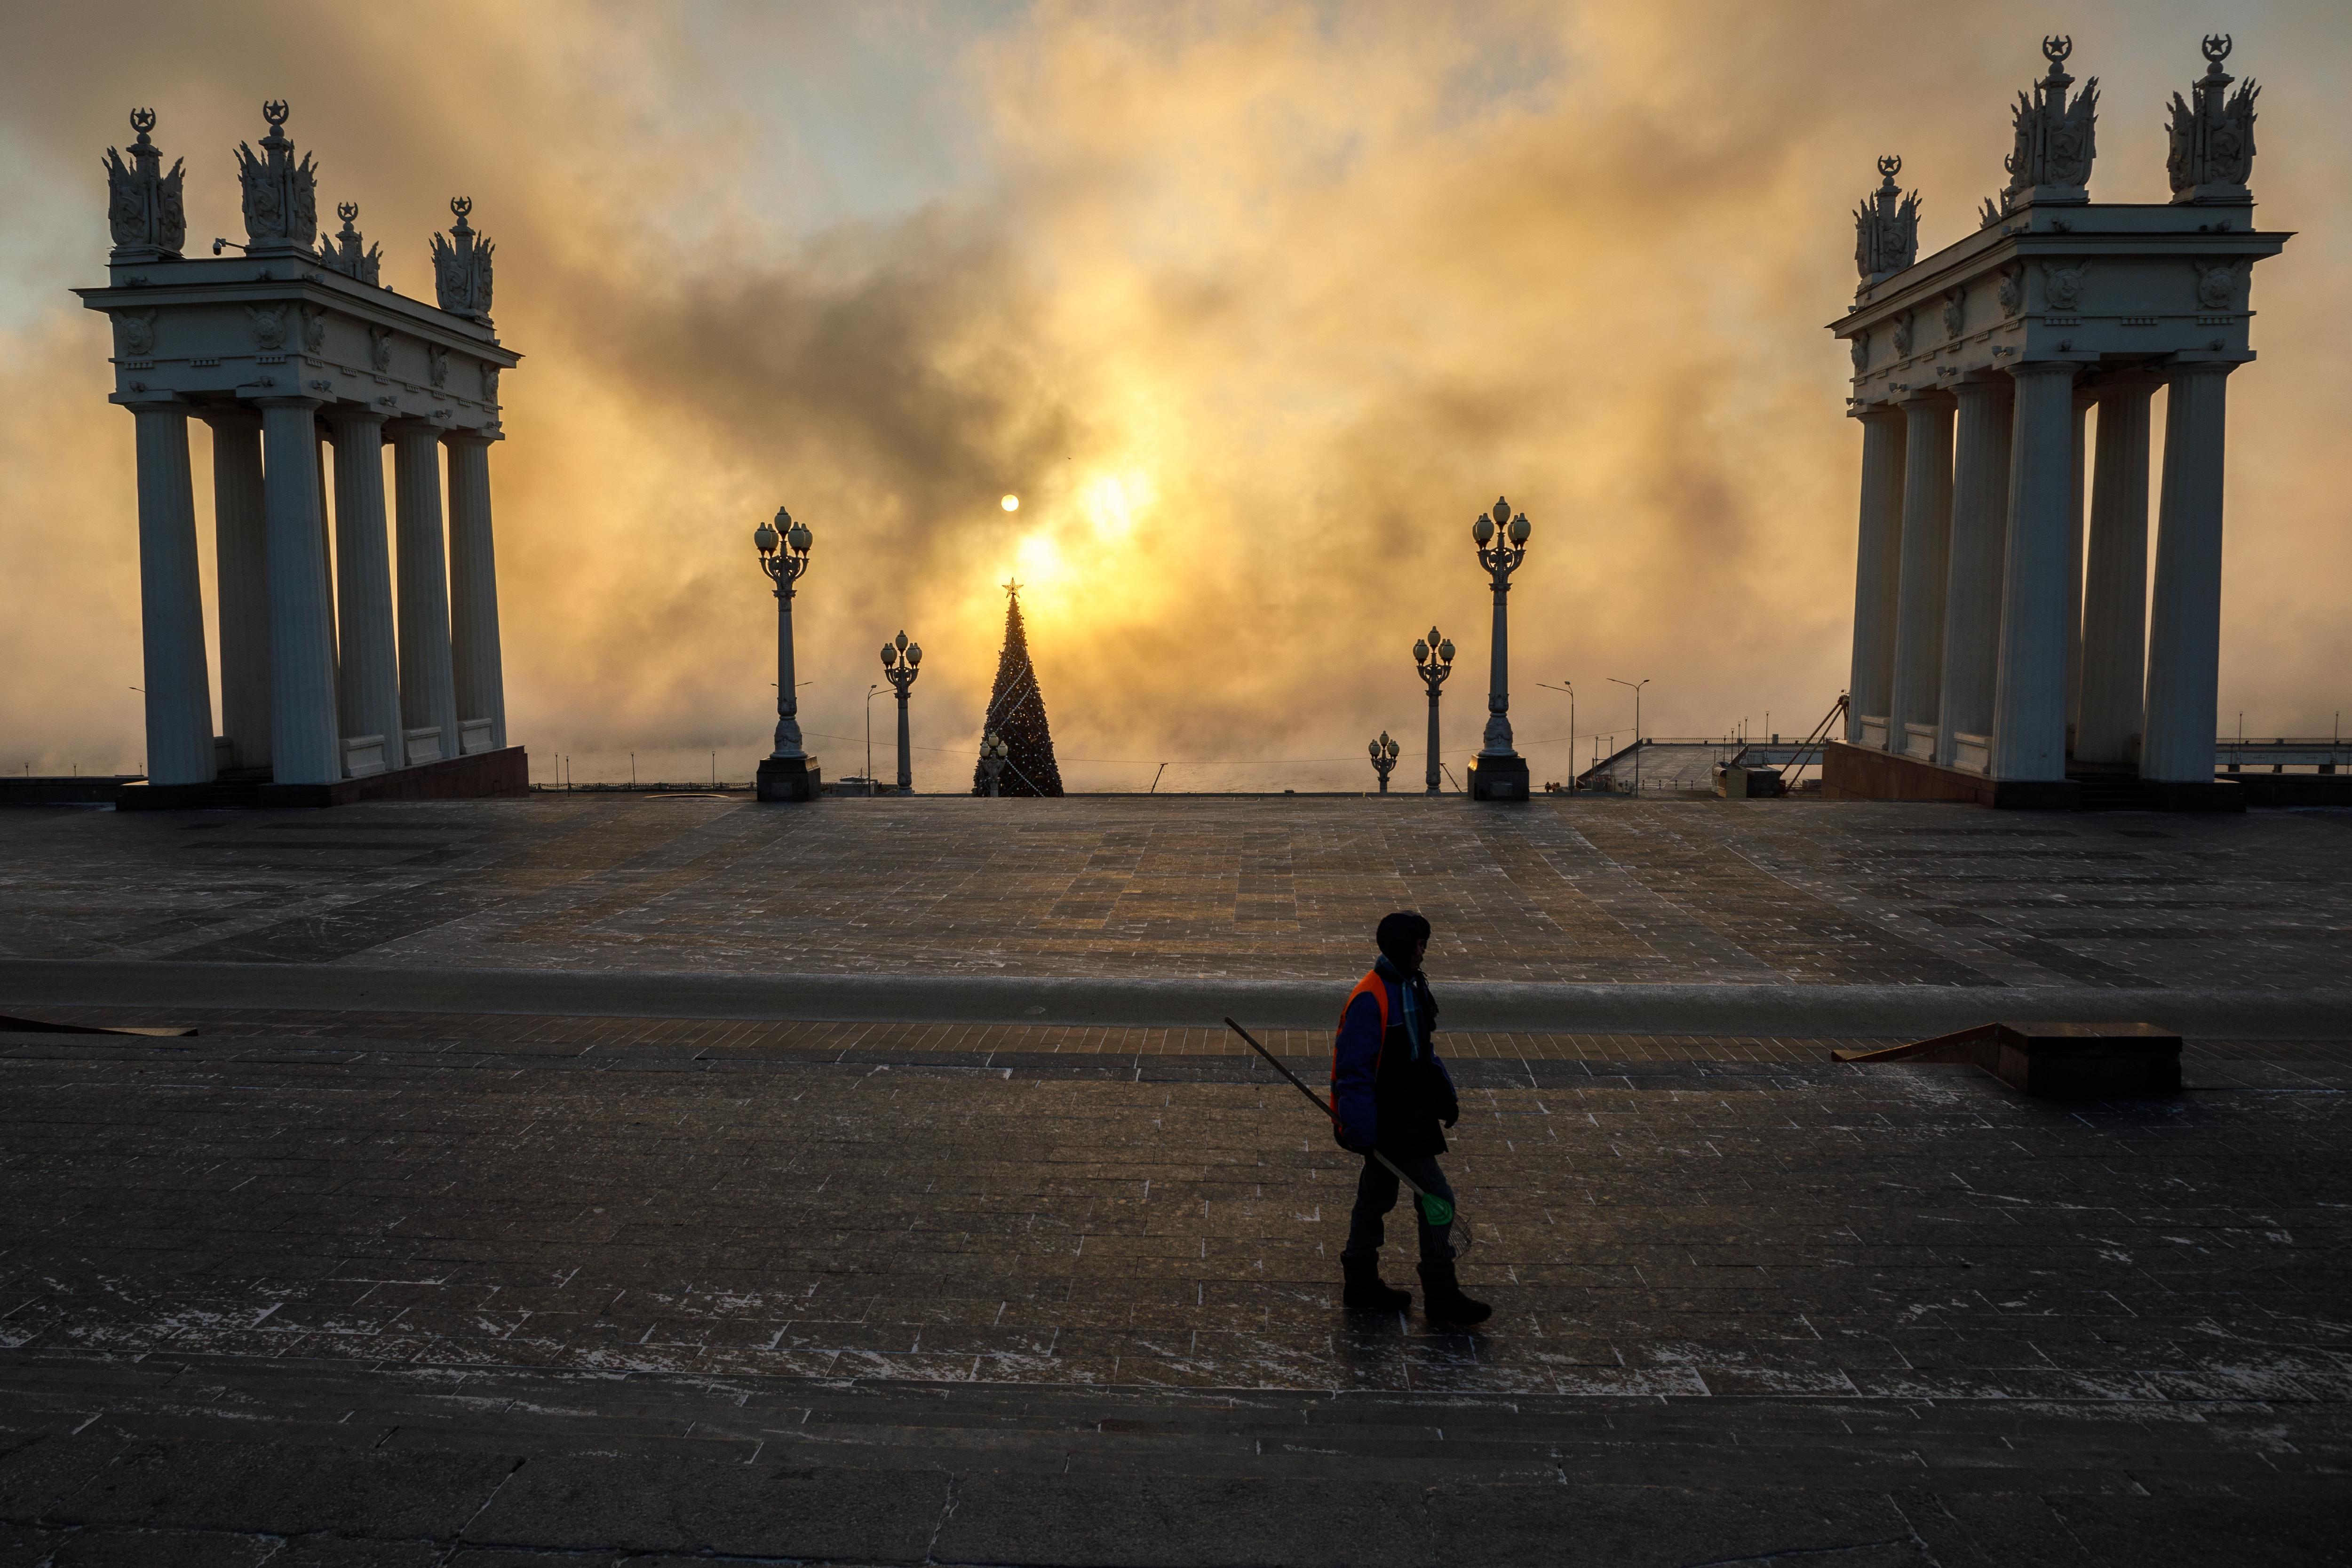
point(900, 658)
point(1384, 759)
point(993, 754)
point(1498, 773)
point(788, 772)
point(1435, 659)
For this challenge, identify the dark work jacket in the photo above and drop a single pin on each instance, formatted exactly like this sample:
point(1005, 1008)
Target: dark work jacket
point(1390, 1090)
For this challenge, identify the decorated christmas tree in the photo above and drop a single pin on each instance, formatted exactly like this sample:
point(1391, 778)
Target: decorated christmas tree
point(1016, 711)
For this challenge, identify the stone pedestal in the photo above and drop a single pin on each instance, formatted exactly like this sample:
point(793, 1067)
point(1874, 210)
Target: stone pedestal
point(789, 778)
point(1499, 778)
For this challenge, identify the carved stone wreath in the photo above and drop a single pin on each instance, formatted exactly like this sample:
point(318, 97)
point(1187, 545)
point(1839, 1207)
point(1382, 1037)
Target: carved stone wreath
point(2217, 284)
point(380, 347)
point(2062, 287)
point(1956, 312)
point(269, 326)
point(1903, 335)
point(138, 332)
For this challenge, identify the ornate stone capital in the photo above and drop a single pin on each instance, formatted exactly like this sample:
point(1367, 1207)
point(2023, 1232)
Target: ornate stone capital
point(354, 417)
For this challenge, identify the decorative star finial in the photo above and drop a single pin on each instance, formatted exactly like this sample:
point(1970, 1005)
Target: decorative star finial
point(143, 121)
point(2217, 47)
point(1013, 587)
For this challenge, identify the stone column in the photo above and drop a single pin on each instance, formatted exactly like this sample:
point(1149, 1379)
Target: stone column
point(2075, 532)
point(2184, 645)
point(241, 546)
point(1926, 556)
point(2114, 597)
point(2029, 734)
point(305, 747)
point(1870, 689)
point(367, 678)
point(429, 695)
point(179, 689)
point(474, 587)
point(1973, 585)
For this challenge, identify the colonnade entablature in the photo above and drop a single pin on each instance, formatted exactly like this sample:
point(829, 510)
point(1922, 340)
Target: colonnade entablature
point(1980, 645)
point(2091, 285)
point(290, 343)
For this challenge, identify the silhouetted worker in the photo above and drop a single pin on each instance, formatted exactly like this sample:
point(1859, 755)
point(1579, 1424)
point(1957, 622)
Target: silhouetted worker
point(1390, 1092)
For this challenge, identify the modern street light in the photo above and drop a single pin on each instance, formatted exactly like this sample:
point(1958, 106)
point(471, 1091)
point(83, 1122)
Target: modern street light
point(871, 693)
point(789, 773)
point(1498, 773)
point(1435, 658)
point(900, 658)
point(1636, 687)
point(993, 754)
point(1571, 689)
point(1384, 758)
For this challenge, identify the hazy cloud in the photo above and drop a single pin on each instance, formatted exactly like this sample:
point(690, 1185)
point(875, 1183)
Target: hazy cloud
point(1254, 306)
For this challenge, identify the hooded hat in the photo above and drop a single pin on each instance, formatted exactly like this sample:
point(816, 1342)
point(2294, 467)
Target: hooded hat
point(1398, 935)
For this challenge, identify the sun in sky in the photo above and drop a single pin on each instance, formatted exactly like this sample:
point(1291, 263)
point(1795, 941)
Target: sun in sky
point(1011, 503)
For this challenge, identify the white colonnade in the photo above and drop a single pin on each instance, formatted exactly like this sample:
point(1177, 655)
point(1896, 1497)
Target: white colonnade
point(344, 651)
point(1999, 622)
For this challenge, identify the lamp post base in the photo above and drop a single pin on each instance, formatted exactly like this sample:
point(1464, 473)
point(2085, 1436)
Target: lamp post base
point(1499, 778)
point(789, 778)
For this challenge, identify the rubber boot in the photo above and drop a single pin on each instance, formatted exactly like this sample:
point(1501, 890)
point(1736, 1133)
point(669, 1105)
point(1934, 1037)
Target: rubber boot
point(1443, 1300)
point(1367, 1293)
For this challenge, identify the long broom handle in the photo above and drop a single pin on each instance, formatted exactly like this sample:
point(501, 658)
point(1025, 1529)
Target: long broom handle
point(1317, 1101)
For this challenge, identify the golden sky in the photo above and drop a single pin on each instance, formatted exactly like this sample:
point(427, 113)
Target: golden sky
point(1255, 306)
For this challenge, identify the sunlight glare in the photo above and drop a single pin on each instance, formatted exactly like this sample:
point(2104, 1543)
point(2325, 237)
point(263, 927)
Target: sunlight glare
point(1113, 502)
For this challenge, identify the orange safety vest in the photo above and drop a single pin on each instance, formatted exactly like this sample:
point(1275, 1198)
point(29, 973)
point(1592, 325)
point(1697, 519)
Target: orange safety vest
point(1372, 982)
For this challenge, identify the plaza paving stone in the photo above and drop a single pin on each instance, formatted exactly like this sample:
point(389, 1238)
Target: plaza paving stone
point(366, 1284)
point(1581, 890)
point(304, 1289)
